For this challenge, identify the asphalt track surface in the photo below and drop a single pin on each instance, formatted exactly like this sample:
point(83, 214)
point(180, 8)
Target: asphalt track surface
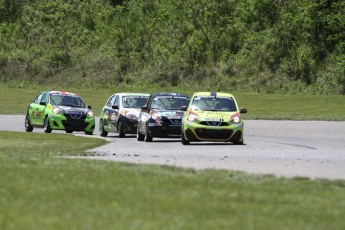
point(311, 149)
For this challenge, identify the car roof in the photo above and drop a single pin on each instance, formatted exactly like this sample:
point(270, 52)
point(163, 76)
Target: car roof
point(169, 94)
point(64, 93)
point(222, 94)
point(132, 94)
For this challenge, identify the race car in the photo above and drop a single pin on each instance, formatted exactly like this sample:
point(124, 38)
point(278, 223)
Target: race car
point(58, 110)
point(120, 113)
point(212, 116)
point(161, 116)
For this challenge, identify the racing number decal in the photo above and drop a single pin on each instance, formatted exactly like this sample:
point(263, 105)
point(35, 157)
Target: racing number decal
point(36, 113)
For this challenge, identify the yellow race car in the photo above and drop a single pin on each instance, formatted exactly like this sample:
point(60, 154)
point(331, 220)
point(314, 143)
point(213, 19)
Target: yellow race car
point(212, 116)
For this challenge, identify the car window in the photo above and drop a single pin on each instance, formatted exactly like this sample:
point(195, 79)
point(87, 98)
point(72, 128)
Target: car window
point(45, 97)
point(169, 102)
point(38, 98)
point(117, 101)
point(67, 100)
point(134, 101)
point(214, 103)
point(110, 102)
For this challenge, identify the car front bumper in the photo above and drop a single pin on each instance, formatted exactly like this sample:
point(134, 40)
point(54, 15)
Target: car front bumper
point(60, 122)
point(130, 125)
point(196, 132)
point(164, 130)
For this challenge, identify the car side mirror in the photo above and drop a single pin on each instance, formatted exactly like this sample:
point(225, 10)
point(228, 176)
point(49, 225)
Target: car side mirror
point(115, 107)
point(43, 103)
point(243, 110)
point(184, 108)
point(144, 108)
point(89, 106)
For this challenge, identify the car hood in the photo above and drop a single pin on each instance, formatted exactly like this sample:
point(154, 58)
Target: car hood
point(169, 113)
point(71, 109)
point(206, 115)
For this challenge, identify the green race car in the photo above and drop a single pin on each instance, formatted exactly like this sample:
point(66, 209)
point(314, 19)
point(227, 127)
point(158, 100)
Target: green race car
point(212, 116)
point(57, 110)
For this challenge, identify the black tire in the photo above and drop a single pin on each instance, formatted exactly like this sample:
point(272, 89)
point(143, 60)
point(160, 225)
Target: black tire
point(28, 127)
point(183, 140)
point(120, 129)
point(140, 137)
point(88, 133)
point(68, 131)
point(238, 142)
point(148, 137)
point(46, 125)
point(102, 133)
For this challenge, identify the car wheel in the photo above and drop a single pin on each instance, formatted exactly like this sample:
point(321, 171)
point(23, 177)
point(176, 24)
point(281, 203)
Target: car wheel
point(238, 142)
point(88, 133)
point(140, 137)
point(28, 127)
point(148, 137)
point(120, 129)
point(101, 129)
point(46, 125)
point(184, 141)
point(69, 131)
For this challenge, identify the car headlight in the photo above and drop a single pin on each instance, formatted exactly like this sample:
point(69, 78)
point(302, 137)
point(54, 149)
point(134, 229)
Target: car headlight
point(236, 120)
point(130, 115)
point(155, 116)
point(192, 116)
point(90, 114)
point(57, 111)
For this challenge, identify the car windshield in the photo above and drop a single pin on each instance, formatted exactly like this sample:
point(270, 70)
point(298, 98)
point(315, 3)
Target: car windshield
point(135, 102)
point(210, 103)
point(67, 100)
point(170, 102)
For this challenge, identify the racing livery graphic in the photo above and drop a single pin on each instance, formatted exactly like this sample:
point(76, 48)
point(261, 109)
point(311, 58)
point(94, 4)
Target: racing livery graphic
point(57, 110)
point(212, 116)
point(161, 116)
point(120, 113)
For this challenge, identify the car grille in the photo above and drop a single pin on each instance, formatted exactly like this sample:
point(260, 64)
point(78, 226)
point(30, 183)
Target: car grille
point(222, 134)
point(75, 115)
point(73, 124)
point(75, 121)
point(214, 123)
point(172, 121)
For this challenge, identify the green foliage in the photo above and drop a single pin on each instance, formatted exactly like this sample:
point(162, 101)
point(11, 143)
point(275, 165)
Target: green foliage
point(243, 44)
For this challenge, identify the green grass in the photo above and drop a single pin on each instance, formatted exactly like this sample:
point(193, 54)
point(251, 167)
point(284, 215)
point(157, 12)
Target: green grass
point(260, 106)
point(41, 191)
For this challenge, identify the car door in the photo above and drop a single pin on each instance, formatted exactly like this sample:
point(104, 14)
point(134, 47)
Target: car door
point(33, 110)
point(108, 126)
point(144, 115)
point(115, 111)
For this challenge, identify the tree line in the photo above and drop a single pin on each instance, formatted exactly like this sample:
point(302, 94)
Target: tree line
point(269, 46)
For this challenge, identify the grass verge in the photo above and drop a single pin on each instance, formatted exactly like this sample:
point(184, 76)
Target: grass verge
point(41, 191)
point(259, 106)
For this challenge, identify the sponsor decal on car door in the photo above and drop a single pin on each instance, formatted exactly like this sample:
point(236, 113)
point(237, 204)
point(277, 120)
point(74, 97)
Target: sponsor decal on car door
point(36, 110)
